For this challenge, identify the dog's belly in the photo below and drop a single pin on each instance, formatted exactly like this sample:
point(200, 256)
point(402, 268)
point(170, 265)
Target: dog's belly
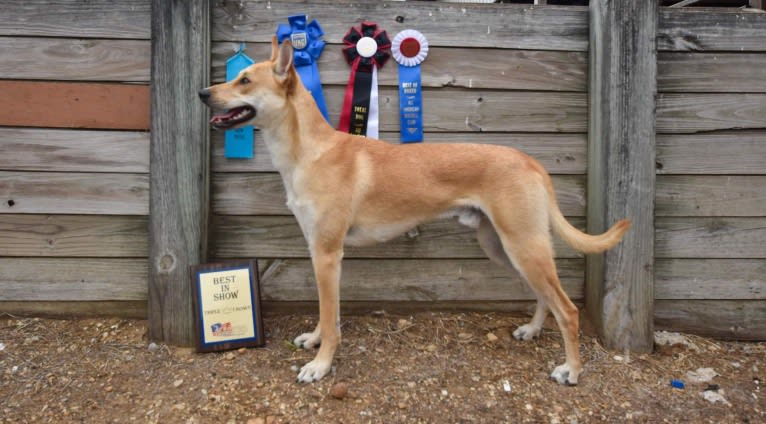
point(365, 235)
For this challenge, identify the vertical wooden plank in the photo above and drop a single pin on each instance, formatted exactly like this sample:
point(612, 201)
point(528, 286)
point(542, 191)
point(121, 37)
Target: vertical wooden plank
point(179, 164)
point(621, 147)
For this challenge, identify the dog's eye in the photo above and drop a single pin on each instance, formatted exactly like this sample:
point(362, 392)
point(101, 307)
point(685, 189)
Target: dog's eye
point(244, 80)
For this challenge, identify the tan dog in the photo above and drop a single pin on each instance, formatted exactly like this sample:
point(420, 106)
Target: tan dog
point(346, 189)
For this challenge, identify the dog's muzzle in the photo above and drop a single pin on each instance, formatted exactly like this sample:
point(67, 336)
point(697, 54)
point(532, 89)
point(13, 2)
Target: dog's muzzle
point(230, 118)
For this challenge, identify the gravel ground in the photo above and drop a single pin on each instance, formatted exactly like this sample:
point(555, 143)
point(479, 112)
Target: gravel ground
point(429, 367)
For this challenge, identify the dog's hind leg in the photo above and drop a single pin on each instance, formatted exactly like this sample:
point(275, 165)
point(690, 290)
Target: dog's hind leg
point(493, 247)
point(529, 248)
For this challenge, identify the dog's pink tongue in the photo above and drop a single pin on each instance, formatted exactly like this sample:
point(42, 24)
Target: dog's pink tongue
point(224, 116)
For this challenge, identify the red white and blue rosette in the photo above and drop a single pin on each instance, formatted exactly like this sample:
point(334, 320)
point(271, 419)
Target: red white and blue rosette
point(305, 37)
point(366, 49)
point(409, 49)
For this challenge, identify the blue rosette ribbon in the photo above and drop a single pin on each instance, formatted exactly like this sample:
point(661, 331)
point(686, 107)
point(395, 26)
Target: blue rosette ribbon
point(409, 49)
point(307, 47)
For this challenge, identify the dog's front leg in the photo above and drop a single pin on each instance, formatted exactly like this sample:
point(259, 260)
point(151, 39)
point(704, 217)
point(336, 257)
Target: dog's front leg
point(327, 271)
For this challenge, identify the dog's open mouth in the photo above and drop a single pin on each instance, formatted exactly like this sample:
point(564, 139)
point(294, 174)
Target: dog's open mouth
point(233, 117)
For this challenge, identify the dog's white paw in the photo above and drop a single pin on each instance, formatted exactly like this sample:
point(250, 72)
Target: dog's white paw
point(308, 340)
point(563, 374)
point(314, 371)
point(526, 332)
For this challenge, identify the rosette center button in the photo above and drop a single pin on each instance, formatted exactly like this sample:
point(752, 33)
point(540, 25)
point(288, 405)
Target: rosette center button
point(366, 46)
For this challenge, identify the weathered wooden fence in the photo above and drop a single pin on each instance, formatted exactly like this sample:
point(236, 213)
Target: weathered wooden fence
point(74, 175)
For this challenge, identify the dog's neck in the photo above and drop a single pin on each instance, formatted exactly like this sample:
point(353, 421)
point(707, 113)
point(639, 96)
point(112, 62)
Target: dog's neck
point(298, 133)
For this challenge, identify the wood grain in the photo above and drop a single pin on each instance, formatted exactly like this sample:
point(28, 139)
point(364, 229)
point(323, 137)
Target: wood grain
point(135, 309)
point(75, 59)
point(81, 19)
point(621, 169)
point(73, 236)
point(721, 319)
point(711, 72)
point(695, 112)
point(711, 238)
point(524, 307)
point(729, 152)
point(452, 110)
point(81, 279)
point(706, 29)
point(264, 194)
point(464, 25)
point(394, 280)
point(75, 105)
point(448, 67)
point(280, 237)
point(558, 153)
point(34, 149)
point(74, 193)
point(715, 279)
point(180, 164)
point(718, 195)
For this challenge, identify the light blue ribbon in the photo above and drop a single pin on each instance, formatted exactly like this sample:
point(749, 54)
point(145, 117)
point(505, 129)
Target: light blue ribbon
point(306, 48)
point(238, 143)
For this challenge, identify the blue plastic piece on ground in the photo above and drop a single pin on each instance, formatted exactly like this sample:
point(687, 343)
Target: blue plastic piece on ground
point(678, 384)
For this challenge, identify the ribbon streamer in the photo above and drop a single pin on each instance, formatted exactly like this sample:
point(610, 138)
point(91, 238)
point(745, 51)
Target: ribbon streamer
point(366, 49)
point(410, 48)
point(238, 143)
point(307, 47)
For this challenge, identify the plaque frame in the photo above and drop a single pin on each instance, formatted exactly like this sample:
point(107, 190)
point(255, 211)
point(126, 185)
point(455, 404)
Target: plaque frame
point(201, 343)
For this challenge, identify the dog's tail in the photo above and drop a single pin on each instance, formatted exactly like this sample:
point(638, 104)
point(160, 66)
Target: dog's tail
point(579, 240)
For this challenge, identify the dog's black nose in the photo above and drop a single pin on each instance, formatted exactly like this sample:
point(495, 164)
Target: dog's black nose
point(204, 95)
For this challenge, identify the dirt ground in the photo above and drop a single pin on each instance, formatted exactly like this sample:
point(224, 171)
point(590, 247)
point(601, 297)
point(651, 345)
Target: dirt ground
point(430, 367)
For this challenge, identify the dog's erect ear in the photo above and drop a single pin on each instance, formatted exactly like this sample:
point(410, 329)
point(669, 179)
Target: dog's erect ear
point(274, 48)
point(284, 60)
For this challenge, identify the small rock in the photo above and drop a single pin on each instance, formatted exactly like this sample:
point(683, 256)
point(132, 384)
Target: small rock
point(242, 350)
point(177, 383)
point(108, 389)
point(30, 340)
point(294, 368)
point(411, 384)
point(402, 324)
point(736, 364)
point(464, 336)
point(666, 339)
point(256, 421)
point(444, 392)
point(619, 358)
point(701, 375)
point(228, 356)
point(528, 407)
point(15, 369)
point(2, 347)
point(506, 386)
point(431, 348)
point(491, 337)
point(339, 390)
point(713, 397)
point(153, 347)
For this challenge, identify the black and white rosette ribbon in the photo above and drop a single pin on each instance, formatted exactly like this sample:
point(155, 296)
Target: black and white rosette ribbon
point(409, 49)
point(366, 49)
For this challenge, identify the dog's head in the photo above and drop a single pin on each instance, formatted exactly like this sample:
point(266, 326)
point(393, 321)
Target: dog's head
point(257, 95)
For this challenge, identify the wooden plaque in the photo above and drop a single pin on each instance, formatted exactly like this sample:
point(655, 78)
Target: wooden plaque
point(227, 306)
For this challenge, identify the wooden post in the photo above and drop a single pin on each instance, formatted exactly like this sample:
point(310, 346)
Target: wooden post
point(621, 169)
point(179, 164)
